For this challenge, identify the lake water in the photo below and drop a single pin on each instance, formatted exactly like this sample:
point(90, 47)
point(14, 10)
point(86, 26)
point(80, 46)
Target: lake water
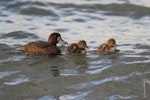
point(124, 75)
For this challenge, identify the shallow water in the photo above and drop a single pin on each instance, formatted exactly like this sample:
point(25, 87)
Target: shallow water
point(123, 75)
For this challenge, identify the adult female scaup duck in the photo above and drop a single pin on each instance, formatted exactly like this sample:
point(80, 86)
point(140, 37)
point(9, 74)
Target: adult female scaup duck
point(79, 48)
point(43, 47)
point(110, 46)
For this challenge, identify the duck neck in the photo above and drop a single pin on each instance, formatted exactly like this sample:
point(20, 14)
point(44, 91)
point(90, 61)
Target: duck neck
point(82, 48)
point(52, 43)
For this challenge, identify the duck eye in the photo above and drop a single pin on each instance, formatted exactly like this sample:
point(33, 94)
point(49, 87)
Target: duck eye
point(55, 36)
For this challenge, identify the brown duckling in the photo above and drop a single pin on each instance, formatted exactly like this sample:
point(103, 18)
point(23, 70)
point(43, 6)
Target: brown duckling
point(43, 47)
point(79, 48)
point(110, 46)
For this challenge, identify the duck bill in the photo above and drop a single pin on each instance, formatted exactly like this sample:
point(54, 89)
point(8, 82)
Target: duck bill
point(61, 41)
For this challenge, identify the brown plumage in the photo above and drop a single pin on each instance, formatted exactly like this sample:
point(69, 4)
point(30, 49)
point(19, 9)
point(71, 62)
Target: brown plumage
point(43, 47)
point(110, 46)
point(79, 48)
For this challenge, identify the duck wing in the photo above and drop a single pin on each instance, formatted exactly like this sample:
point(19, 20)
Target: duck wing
point(39, 44)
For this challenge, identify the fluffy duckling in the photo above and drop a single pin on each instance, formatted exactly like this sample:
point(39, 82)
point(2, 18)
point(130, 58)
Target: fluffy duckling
point(43, 47)
point(110, 46)
point(79, 48)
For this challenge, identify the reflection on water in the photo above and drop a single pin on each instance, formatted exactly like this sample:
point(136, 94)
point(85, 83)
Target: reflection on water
point(55, 71)
point(122, 75)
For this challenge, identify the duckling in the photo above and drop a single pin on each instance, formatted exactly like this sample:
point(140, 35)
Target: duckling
point(110, 46)
point(79, 48)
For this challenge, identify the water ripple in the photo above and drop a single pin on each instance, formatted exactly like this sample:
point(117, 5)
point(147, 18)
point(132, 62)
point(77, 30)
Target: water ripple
point(47, 98)
point(17, 81)
point(37, 11)
point(14, 58)
point(99, 70)
point(119, 97)
point(76, 96)
point(18, 35)
point(109, 79)
point(74, 77)
point(8, 73)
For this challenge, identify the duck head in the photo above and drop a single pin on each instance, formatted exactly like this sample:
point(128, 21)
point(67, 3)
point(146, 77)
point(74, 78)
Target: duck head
point(111, 43)
point(82, 44)
point(55, 38)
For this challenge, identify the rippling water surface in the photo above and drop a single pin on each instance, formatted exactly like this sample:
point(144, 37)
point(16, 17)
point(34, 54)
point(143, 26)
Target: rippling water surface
point(124, 75)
